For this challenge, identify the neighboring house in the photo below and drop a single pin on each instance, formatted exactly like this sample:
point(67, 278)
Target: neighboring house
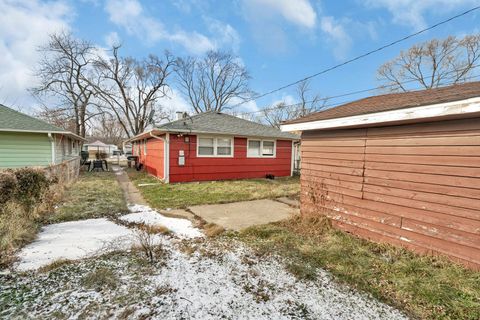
point(401, 168)
point(214, 146)
point(29, 142)
point(99, 147)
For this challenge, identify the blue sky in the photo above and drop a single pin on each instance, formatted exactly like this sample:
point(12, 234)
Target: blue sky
point(279, 41)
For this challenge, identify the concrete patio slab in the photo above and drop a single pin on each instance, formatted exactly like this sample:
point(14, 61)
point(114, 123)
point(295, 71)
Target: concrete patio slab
point(291, 202)
point(241, 215)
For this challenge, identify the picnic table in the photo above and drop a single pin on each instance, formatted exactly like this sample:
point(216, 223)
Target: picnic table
point(98, 164)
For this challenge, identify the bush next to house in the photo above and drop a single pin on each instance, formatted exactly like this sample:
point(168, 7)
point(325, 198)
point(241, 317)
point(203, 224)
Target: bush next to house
point(25, 194)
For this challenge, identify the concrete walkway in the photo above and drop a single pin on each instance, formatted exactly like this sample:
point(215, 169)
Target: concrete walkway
point(241, 215)
point(134, 197)
point(131, 193)
point(232, 216)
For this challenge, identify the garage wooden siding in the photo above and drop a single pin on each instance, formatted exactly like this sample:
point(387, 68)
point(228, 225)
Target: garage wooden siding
point(412, 185)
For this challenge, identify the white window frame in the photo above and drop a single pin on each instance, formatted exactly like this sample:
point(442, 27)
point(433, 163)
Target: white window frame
point(215, 155)
point(261, 148)
point(145, 147)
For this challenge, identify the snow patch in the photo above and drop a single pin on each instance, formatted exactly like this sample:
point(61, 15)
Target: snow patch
point(183, 228)
point(73, 240)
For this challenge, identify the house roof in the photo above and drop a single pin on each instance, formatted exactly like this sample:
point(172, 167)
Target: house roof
point(221, 123)
point(96, 143)
point(394, 101)
point(14, 121)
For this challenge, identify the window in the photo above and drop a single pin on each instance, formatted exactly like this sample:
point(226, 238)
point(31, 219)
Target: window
point(215, 147)
point(145, 147)
point(206, 146)
point(261, 148)
point(224, 146)
point(254, 147)
point(268, 148)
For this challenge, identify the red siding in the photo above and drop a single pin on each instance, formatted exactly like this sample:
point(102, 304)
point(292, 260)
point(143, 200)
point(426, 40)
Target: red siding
point(238, 167)
point(153, 161)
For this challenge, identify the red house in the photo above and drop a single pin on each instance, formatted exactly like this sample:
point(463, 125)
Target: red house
point(214, 146)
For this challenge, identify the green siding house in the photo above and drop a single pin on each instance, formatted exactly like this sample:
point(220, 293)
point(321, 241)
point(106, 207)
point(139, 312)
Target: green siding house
point(29, 142)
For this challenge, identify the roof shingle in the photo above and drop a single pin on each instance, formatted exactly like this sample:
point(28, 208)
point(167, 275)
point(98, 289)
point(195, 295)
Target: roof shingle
point(393, 101)
point(221, 123)
point(17, 121)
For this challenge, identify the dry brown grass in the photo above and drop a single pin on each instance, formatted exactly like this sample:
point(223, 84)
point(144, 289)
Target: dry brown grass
point(93, 195)
point(54, 265)
point(427, 287)
point(212, 230)
point(16, 229)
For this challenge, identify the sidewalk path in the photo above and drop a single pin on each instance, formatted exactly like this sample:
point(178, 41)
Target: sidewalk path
point(132, 195)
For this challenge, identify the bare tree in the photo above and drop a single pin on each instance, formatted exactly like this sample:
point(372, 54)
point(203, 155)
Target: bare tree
point(282, 111)
point(60, 117)
point(62, 72)
point(432, 64)
point(129, 89)
point(211, 83)
point(105, 127)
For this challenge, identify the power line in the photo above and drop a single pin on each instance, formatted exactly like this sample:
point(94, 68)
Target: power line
point(358, 57)
point(356, 92)
point(327, 106)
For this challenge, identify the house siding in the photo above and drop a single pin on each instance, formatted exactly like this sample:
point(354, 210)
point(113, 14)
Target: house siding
point(62, 150)
point(24, 149)
point(416, 185)
point(153, 161)
point(236, 167)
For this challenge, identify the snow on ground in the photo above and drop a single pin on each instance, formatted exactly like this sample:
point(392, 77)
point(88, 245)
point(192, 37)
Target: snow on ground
point(192, 279)
point(146, 215)
point(73, 240)
point(80, 239)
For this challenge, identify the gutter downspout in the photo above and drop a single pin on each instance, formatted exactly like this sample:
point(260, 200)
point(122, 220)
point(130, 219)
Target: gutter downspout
point(51, 137)
point(166, 155)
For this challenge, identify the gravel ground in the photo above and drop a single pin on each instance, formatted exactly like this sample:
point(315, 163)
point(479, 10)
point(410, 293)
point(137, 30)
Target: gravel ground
point(189, 279)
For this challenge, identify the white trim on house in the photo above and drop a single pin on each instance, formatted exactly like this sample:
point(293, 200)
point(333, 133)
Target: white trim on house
point(65, 133)
point(460, 107)
point(215, 145)
point(261, 155)
point(292, 165)
point(51, 137)
point(166, 153)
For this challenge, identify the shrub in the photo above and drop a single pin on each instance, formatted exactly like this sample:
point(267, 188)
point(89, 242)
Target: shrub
point(31, 186)
point(8, 186)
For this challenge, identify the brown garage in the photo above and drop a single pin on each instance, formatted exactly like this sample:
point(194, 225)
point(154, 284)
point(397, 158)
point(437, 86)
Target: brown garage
point(399, 168)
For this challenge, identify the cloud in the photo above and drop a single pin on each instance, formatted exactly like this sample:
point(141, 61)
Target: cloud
point(194, 42)
point(299, 12)
point(112, 39)
point(337, 35)
point(268, 20)
point(174, 102)
point(225, 34)
point(130, 15)
point(411, 12)
point(24, 26)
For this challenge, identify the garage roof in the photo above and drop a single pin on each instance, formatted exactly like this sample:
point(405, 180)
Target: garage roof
point(394, 101)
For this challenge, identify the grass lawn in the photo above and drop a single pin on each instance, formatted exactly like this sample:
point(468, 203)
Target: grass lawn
point(426, 287)
point(182, 195)
point(93, 195)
